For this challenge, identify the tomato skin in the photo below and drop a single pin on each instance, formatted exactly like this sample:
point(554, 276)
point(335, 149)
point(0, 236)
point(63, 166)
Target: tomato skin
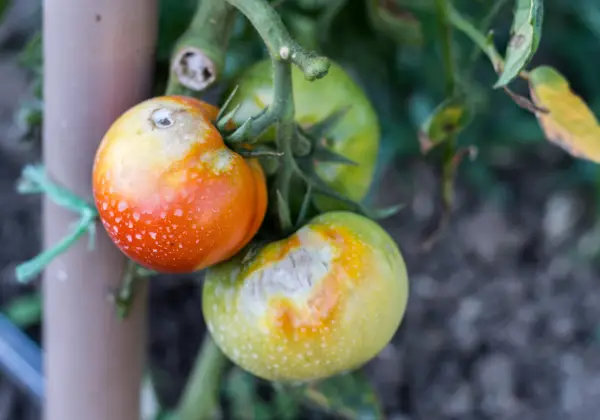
point(169, 192)
point(325, 300)
point(356, 136)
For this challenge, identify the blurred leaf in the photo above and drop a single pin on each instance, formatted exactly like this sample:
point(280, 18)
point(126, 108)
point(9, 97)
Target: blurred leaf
point(304, 29)
point(525, 37)
point(401, 25)
point(173, 19)
point(569, 123)
point(4, 6)
point(447, 120)
point(240, 389)
point(25, 311)
point(31, 56)
point(349, 396)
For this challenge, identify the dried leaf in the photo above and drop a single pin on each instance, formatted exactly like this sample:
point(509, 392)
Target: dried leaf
point(569, 123)
point(448, 119)
point(525, 37)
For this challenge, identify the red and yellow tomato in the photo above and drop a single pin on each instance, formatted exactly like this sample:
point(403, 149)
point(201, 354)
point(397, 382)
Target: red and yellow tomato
point(169, 192)
point(322, 301)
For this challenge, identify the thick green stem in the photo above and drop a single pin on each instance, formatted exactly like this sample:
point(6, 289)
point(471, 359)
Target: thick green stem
point(448, 169)
point(483, 42)
point(199, 55)
point(442, 8)
point(283, 99)
point(200, 399)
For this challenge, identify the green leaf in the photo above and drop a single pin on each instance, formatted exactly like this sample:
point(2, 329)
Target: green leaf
point(525, 37)
point(31, 56)
point(447, 120)
point(323, 154)
point(322, 128)
point(246, 404)
point(350, 396)
point(570, 123)
point(304, 208)
point(25, 311)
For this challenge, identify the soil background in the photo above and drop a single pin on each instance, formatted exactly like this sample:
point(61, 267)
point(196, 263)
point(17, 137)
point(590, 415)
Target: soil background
point(503, 315)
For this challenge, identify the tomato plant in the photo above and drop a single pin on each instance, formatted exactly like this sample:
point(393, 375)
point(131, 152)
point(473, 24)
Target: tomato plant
point(324, 300)
point(178, 186)
point(171, 195)
point(355, 135)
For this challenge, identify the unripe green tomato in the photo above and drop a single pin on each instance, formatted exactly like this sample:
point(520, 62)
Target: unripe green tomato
point(322, 301)
point(356, 136)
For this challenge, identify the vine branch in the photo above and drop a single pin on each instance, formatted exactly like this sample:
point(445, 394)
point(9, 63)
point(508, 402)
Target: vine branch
point(200, 397)
point(282, 49)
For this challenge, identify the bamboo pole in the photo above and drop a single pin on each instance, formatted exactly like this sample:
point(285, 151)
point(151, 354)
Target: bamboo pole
point(98, 62)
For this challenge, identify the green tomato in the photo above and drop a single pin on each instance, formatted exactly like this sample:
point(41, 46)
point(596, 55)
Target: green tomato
point(324, 300)
point(356, 136)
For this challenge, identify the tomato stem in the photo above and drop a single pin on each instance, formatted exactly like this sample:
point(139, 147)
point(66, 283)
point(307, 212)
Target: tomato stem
point(199, 55)
point(200, 399)
point(276, 37)
point(282, 48)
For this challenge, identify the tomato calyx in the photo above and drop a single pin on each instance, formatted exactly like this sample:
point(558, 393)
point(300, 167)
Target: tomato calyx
point(309, 146)
point(318, 135)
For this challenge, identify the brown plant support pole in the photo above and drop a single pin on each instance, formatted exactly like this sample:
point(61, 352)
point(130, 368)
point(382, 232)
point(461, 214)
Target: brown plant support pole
point(98, 62)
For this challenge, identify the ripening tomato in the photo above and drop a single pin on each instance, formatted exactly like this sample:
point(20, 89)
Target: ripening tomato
point(356, 136)
point(169, 192)
point(324, 300)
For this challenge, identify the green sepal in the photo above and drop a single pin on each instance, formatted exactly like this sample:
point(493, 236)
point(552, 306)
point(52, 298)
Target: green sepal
point(283, 212)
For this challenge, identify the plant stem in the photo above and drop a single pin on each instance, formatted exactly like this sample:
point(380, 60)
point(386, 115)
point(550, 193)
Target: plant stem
point(485, 24)
point(483, 42)
point(282, 48)
point(200, 399)
point(199, 55)
point(280, 44)
point(442, 9)
point(283, 99)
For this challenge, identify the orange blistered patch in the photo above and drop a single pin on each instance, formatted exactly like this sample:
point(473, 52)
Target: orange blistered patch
point(173, 197)
point(309, 314)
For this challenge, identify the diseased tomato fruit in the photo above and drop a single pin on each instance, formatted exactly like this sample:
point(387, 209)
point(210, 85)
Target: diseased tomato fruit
point(356, 136)
point(325, 300)
point(169, 192)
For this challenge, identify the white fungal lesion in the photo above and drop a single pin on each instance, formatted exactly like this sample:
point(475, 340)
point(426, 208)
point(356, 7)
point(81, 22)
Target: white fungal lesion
point(294, 276)
point(219, 161)
point(284, 53)
point(162, 118)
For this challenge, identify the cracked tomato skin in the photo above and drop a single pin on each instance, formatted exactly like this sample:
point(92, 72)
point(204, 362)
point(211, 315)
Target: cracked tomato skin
point(169, 192)
point(356, 136)
point(322, 301)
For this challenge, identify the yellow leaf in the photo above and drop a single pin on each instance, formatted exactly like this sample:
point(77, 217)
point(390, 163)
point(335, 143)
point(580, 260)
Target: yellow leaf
point(569, 122)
